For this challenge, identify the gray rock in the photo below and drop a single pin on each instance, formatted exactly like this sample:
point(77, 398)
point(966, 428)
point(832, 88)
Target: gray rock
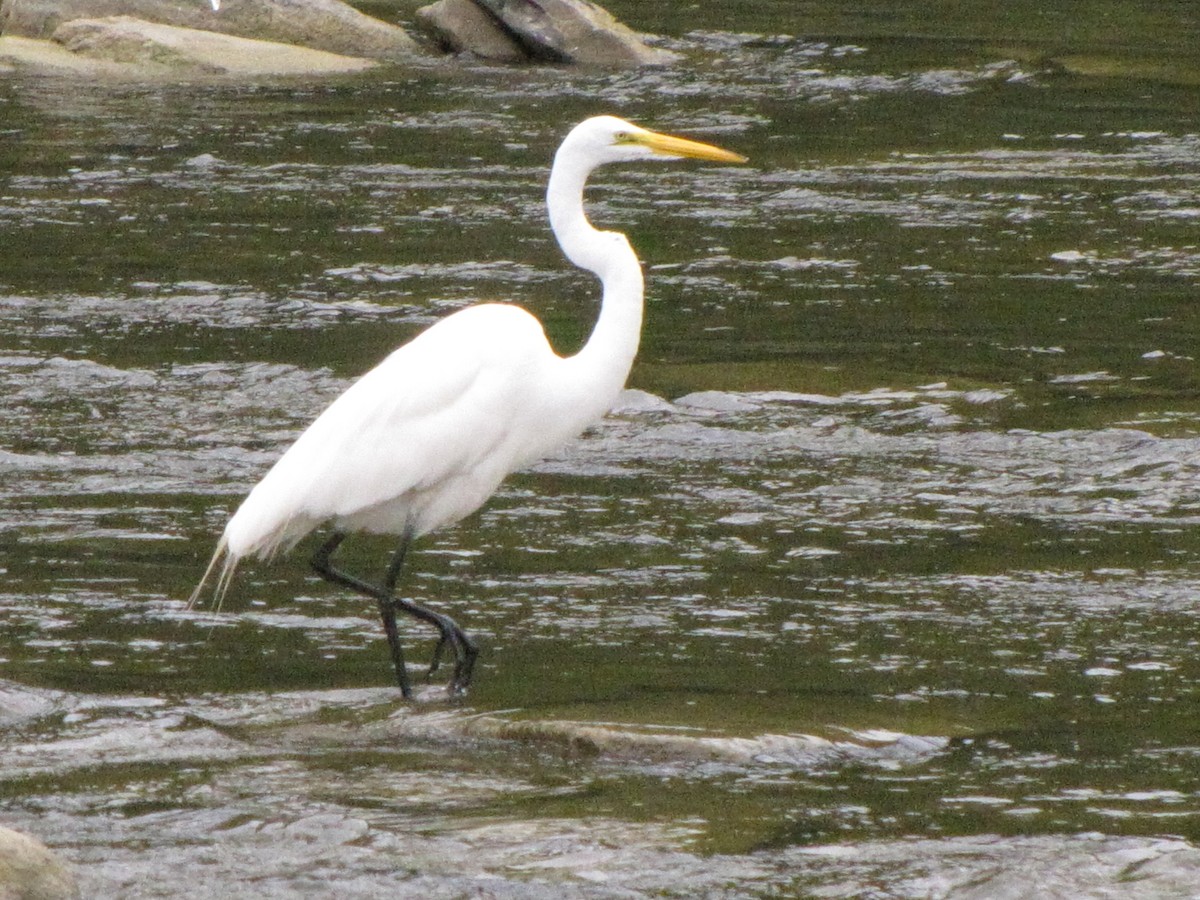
point(328, 25)
point(29, 871)
point(122, 39)
point(574, 31)
point(462, 26)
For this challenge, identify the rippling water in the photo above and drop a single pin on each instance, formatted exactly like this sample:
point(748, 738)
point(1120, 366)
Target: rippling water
point(880, 582)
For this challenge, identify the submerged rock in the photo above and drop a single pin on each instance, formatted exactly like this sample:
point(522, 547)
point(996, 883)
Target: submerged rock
point(564, 31)
point(122, 39)
point(668, 747)
point(30, 871)
point(328, 25)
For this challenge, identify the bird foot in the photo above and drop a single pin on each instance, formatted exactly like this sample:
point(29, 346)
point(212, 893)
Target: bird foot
point(436, 662)
point(465, 654)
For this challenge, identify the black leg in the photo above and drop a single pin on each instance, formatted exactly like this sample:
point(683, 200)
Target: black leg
point(450, 633)
point(465, 651)
point(387, 609)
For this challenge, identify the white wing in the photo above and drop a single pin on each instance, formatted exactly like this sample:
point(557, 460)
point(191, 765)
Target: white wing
point(419, 441)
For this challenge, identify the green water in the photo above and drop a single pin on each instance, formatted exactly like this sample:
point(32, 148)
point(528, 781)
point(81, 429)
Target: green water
point(896, 598)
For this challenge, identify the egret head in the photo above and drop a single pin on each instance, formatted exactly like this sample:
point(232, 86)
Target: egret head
point(605, 139)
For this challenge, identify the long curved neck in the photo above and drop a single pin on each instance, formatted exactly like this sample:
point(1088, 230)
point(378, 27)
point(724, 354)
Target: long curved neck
point(600, 368)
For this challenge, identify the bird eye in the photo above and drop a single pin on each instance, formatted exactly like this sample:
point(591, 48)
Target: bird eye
point(622, 137)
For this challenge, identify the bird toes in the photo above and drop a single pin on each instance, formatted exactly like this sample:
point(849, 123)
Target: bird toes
point(464, 666)
point(464, 650)
point(436, 662)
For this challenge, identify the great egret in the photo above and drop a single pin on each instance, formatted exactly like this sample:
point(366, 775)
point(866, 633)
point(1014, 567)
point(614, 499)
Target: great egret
point(425, 437)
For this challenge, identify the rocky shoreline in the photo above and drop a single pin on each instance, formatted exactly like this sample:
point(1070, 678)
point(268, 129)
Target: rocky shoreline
point(145, 39)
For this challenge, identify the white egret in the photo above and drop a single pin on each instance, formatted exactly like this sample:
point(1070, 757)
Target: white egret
point(425, 437)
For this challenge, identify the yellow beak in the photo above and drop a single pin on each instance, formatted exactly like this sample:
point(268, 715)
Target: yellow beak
point(668, 145)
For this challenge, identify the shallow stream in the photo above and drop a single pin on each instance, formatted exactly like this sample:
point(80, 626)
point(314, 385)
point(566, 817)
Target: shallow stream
point(881, 582)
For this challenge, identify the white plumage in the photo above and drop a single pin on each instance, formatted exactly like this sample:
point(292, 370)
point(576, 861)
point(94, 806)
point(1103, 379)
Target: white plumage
point(425, 437)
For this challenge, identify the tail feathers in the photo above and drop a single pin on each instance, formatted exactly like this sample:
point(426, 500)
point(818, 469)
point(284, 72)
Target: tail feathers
point(224, 577)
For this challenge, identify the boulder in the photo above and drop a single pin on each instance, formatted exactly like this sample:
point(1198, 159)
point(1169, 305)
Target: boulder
point(30, 871)
point(574, 31)
point(21, 54)
point(328, 25)
point(462, 26)
point(123, 39)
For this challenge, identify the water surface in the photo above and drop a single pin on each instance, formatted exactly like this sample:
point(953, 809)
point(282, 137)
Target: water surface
point(881, 582)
